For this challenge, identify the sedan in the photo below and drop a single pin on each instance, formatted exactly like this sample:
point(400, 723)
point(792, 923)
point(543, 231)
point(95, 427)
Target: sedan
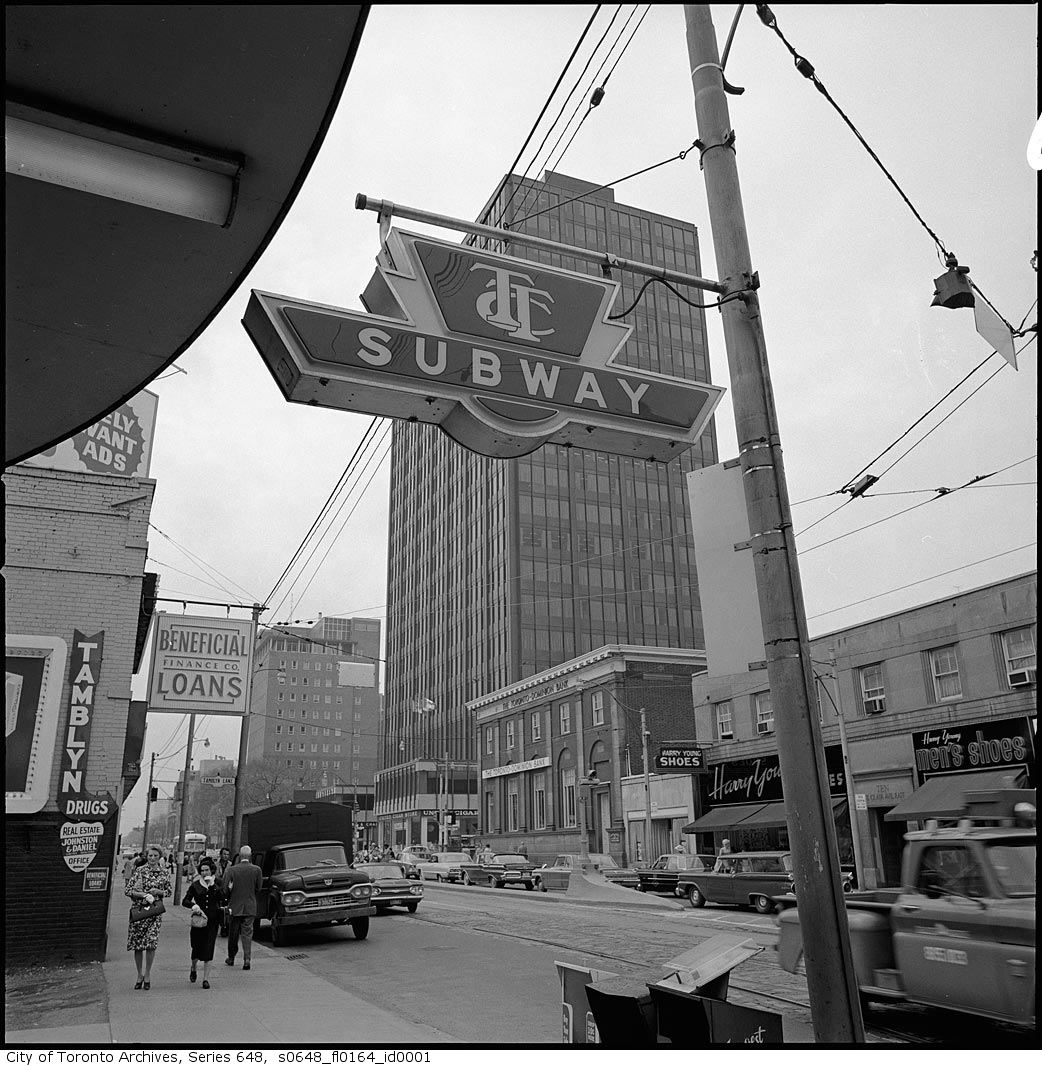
point(664, 872)
point(554, 876)
point(390, 887)
point(443, 866)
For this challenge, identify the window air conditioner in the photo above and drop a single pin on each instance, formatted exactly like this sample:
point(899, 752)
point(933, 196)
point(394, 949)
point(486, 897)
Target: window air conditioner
point(1019, 678)
point(875, 706)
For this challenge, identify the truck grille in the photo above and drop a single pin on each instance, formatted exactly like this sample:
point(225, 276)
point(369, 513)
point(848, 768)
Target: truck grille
point(340, 899)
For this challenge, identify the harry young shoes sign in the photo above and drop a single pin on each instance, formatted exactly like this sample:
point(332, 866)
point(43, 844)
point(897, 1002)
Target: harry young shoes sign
point(504, 354)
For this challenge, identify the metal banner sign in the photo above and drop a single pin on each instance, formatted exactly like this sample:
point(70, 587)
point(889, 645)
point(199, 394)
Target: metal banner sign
point(200, 664)
point(681, 756)
point(504, 354)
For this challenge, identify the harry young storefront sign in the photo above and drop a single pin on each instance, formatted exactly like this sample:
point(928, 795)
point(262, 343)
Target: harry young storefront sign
point(759, 780)
point(503, 354)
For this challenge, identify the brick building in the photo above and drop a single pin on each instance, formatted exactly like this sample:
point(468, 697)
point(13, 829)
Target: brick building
point(538, 740)
point(77, 609)
point(946, 688)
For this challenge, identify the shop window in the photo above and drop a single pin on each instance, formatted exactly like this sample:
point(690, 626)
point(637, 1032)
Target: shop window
point(598, 708)
point(944, 665)
point(873, 697)
point(513, 808)
point(568, 796)
point(490, 810)
point(1018, 646)
point(539, 796)
point(724, 720)
point(764, 713)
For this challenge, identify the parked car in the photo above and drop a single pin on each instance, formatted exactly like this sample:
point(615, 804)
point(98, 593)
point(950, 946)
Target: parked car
point(443, 866)
point(416, 851)
point(391, 888)
point(555, 875)
point(664, 873)
point(410, 865)
point(499, 871)
point(748, 879)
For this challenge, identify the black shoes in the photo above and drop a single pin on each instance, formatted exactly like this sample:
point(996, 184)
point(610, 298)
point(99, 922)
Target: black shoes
point(245, 965)
point(206, 984)
point(192, 976)
point(139, 983)
point(229, 962)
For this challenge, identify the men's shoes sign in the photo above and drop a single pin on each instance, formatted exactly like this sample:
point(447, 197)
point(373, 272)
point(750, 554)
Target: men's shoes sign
point(504, 354)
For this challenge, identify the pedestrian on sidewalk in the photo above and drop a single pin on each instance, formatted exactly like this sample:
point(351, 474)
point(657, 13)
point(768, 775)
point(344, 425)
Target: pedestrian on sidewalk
point(205, 898)
point(241, 884)
point(148, 884)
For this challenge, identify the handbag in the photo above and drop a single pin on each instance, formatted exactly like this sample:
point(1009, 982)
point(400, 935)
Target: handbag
point(140, 911)
point(199, 921)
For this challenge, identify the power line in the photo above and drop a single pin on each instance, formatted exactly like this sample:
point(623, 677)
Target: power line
point(336, 489)
point(805, 68)
point(922, 580)
point(531, 132)
point(202, 563)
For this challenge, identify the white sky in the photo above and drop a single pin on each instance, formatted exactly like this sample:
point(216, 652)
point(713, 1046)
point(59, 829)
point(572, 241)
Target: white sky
point(437, 105)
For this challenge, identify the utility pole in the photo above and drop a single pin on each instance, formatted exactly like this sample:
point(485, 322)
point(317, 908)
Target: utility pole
point(647, 785)
point(148, 802)
point(244, 743)
point(831, 984)
point(183, 824)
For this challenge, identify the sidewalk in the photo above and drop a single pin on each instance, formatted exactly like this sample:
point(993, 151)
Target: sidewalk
point(276, 1002)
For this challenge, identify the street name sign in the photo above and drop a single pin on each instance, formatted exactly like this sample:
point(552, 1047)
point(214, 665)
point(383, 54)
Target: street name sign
point(680, 756)
point(503, 354)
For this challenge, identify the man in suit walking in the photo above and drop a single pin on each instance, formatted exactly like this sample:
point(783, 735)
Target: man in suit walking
point(241, 883)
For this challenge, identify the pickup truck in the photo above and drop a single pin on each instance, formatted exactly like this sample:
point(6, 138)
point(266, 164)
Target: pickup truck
point(499, 871)
point(304, 852)
point(960, 932)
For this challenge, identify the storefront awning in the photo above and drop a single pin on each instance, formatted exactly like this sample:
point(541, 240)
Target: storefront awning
point(944, 797)
point(725, 817)
point(772, 815)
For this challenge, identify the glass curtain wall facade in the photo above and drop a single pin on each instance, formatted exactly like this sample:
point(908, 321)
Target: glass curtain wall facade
point(499, 569)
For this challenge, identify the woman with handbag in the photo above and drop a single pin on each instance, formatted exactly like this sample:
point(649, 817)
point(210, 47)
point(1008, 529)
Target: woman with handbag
point(205, 898)
point(147, 887)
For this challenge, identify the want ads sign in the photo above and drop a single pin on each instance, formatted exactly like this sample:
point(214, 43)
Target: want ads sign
point(200, 665)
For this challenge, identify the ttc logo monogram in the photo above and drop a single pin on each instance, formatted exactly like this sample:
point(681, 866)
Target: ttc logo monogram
point(508, 303)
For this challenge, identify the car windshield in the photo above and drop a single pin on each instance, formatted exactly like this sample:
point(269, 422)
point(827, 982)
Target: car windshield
point(380, 870)
point(452, 856)
point(690, 862)
point(1014, 866)
point(510, 860)
point(320, 855)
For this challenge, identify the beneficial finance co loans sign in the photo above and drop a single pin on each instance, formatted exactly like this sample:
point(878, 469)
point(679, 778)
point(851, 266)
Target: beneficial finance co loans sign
point(503, 354)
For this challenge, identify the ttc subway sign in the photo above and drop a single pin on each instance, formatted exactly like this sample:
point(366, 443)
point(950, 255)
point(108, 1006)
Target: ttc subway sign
point(504, 354)
point(680, 756)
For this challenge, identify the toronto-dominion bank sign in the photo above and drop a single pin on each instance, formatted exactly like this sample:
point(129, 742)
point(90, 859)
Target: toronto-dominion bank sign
point(503, 354)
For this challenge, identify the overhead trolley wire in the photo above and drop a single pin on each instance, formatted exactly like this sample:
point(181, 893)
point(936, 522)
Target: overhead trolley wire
point(531, 132)
point(336, 489)
point(805, 68)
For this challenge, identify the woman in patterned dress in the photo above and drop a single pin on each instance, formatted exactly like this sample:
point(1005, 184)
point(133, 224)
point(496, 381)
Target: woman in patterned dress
point(149, 883)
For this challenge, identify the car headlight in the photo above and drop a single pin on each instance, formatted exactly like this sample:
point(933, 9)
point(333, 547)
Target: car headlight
point(416, 890)
point(293, 899)
point(362, 891)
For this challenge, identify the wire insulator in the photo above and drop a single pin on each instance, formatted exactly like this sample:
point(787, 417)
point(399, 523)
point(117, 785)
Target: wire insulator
point(598, 96)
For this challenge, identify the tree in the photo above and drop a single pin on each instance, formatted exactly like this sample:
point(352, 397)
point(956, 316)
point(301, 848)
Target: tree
point(270, 781)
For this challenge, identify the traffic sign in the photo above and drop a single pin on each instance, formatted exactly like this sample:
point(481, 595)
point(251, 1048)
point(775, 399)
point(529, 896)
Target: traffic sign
point(504, 354)
point(680, 756)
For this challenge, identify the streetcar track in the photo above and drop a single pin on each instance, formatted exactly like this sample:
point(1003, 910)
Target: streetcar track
point(880, 1030)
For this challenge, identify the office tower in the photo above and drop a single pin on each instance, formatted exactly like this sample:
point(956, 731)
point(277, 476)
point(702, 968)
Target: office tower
point(318, 732)
point(499, 569)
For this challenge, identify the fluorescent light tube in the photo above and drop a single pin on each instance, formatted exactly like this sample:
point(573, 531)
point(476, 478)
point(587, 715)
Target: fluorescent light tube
point(123, 167)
